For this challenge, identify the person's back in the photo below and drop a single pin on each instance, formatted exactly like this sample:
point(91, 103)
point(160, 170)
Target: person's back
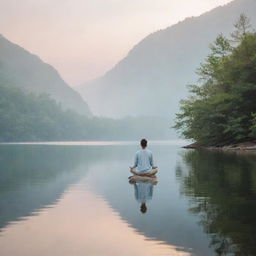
point(143, 161)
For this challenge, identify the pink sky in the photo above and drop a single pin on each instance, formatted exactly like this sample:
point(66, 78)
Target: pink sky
point(83, 39)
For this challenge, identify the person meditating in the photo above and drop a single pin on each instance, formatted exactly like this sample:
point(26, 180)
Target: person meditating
point(143, 162)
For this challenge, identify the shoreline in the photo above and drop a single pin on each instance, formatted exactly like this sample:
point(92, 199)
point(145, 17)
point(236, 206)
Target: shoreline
point(249, 146)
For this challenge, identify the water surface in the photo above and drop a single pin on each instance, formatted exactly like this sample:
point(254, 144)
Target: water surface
point(75, 199)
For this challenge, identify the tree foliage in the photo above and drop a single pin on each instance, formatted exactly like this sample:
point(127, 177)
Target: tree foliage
point(221, 108)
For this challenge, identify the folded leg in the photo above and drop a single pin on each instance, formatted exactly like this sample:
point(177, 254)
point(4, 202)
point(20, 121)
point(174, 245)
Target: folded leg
point(149, 174)
point(134, 171)
point(153, 171)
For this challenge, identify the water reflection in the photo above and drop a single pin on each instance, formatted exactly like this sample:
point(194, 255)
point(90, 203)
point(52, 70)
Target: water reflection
point(39, 196)
point(80, 224)
point(143, 190)
point(33, 177)
point(167, 218)
point(222, 191)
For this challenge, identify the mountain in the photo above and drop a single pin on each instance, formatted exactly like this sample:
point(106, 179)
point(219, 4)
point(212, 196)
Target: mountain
point(153, 77)
point(21, 69)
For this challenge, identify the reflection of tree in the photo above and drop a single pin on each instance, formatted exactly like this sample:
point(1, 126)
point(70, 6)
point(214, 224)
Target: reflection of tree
point(222, 190)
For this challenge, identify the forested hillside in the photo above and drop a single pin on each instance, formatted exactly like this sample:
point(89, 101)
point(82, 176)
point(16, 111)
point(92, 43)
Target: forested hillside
point(153, 77)
point(19, 68)
point(30, 117)
point(221, 109)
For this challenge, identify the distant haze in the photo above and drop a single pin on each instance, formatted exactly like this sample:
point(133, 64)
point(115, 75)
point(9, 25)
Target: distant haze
point(153, 77)
point(85, 38)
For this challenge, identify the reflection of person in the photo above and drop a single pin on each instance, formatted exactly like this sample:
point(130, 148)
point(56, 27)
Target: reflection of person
point(143, 193)
point(143, 162)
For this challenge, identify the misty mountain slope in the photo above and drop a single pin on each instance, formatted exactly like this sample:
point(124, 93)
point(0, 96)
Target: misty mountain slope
point(153, 77)
point(22, 69)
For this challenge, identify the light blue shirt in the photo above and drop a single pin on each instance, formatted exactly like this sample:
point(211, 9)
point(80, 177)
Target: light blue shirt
point(143, 161)
point(143, 191)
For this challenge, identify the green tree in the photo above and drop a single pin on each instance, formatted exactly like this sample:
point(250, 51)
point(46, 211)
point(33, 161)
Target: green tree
point(243, 27)
point(220, 108)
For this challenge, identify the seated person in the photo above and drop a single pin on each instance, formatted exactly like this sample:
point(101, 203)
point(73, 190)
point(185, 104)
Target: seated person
point(143, 163)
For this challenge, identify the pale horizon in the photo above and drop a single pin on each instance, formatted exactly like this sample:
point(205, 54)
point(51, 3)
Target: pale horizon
point(85, 39)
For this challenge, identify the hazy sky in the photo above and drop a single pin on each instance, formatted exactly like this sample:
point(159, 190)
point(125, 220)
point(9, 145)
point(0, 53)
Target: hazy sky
point(85, 38)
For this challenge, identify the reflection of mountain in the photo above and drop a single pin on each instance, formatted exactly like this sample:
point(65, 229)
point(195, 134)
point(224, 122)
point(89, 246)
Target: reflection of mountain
point(19, 68)
point(152, 78)
point(222, 190)
point(220, 187)
point(167, 218)
point(33, 177)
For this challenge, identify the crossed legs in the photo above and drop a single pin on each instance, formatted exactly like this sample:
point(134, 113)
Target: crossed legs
point(151, 173)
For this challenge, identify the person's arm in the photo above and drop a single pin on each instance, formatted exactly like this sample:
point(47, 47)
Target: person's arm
point(135, 162)
point(152, 161)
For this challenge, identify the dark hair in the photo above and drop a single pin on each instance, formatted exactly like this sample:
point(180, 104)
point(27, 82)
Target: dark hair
point(143, 208)
point(143, 143)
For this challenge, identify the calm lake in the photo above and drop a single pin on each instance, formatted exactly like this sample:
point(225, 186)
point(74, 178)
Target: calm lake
point(72, 199)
